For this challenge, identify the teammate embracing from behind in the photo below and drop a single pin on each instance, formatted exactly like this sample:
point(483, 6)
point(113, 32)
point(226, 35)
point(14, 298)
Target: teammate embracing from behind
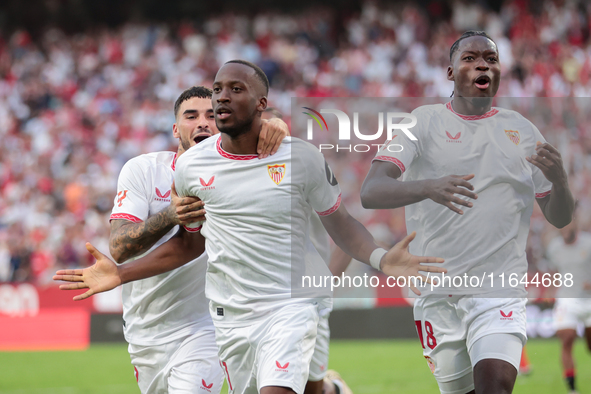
point(471, 179)
point(167, 323)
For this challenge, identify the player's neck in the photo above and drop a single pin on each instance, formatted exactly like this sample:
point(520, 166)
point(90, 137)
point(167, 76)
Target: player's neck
point(244, 143)
point(472, 105)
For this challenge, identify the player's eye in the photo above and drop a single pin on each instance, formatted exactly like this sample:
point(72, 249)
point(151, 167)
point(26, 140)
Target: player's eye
point(236, 89)
point(469, 58)
point(492, 59)
point(217, 90)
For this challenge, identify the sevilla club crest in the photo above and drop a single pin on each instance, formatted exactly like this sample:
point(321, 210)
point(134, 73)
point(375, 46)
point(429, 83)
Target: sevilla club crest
point(276, 172)
point(513, 136)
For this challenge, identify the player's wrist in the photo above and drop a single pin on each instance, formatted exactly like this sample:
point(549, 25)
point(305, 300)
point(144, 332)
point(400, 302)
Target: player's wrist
point(122, 274)
point(375, 259)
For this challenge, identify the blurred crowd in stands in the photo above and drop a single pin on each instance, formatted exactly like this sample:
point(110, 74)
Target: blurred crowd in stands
point(74, 109)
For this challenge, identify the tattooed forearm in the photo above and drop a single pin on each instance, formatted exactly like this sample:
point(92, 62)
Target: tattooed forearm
point(130, 239)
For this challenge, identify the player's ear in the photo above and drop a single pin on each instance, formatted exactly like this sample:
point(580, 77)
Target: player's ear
point(450, 73)
point(175, 131)
point(262, 105)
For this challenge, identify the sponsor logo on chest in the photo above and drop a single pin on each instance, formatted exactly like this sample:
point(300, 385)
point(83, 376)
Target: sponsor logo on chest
point(454, 138)
point(162, 196)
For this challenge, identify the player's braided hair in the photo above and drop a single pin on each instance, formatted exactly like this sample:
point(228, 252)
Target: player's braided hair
point(195, 91)
point(259, 72)
point(469, 33)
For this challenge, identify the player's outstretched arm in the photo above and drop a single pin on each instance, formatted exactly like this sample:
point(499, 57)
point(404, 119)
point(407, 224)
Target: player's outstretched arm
point(382, 189)
point(129, 239)
point(351, 236)
point(105, 275)
point(272, 134)
point(557, 207)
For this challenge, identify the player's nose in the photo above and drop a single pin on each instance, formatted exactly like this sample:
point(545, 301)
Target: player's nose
point(224, 96)
point(481, 65)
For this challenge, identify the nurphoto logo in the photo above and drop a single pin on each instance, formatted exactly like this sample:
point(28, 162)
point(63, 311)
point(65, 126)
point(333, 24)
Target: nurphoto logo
point(344, 129)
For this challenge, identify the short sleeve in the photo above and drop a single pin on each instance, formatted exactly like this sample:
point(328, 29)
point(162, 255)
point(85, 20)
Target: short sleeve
point(132, 199)
point(542, 186)
point(180, 183)
point(323, 192)
point(401, 150)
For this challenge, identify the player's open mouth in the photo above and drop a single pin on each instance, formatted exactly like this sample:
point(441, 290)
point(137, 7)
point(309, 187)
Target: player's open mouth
point(201, 136)
point(482, 82)
point(223, 112)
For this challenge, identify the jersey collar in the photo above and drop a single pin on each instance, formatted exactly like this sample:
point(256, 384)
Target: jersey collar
point(492, 112)
point(231, 156)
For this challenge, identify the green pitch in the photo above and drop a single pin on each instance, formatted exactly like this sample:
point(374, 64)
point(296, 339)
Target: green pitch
point(370, 367)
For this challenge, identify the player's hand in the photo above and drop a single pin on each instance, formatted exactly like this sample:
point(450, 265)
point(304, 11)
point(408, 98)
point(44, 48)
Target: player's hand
point(399, 262)
point(272, 134)
point(549, 160)
point(443, 191)
point(185, 210)
point(100, 277)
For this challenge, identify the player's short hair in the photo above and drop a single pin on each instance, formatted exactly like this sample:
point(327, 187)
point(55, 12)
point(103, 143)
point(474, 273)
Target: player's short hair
point(258, 71)
point(274, 111)
point(469, 33)
point(195, 91)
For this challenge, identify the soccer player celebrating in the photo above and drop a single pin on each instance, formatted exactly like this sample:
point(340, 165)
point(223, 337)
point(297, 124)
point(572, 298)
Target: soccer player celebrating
point(571, 254)
point(321, 380)
point(471, 178)
point(256, 225)
point(167, 323)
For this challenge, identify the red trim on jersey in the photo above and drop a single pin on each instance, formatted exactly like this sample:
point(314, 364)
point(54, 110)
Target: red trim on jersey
point(542, 195)
point(192, 230)
point(231, 156)
point(331, 210)
point(173, 165)
point(490, 113)
point(125, 216)
point(393, 160)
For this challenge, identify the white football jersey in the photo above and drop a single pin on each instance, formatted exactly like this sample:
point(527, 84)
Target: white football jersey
point(257, 220)
point(490, 237)
point(172, 305)
point(574, 259)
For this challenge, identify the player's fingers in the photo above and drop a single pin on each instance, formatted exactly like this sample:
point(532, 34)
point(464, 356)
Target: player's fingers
point(192, 217)
point(84, 296)
point(465, 192)
point(429, 260)
point(550, 158)
point(184, 209)
point(68, 272)
point(548, 147)
point(459, 201)
point(453, 207)
point(73, 286)
point(536, 161)
point(193, 205)
point(415, 290)
point(94, 251)
point(262, 139)
point(69, 278)
point(463, 183)
point(408, 239)
point(464, 177)
point(277, 139)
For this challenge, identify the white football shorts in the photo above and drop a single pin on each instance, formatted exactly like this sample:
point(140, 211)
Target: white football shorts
point(185, 366)
point(568, 312)
point(319, 362)
point(450, 327)
point(275, 351)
